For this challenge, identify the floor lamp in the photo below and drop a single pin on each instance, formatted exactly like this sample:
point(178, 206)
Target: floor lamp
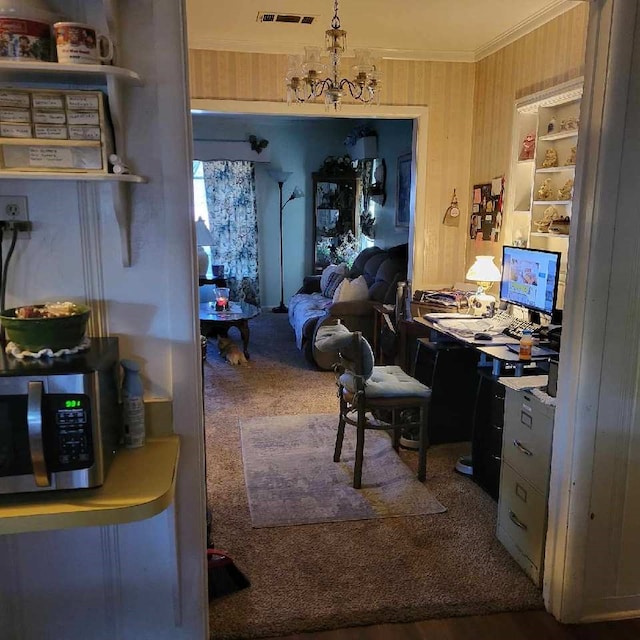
point(281, 177)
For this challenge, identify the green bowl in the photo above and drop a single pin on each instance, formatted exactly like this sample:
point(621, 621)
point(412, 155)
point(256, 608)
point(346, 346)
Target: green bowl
point(34, 334)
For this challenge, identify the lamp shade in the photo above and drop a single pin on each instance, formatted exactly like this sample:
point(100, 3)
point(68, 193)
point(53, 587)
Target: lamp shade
point(279, 176)
point(203, 235)
point(484, 270)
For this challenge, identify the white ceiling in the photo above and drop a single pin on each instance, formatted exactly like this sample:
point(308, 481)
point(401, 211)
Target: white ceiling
point(455, 30)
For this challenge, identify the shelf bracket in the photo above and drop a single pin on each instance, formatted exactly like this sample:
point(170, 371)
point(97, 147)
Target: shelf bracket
point(122, 207)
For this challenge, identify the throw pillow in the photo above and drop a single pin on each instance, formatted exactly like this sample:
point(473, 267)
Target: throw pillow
point(327, 271)
point(332, 284)
point(352, 290)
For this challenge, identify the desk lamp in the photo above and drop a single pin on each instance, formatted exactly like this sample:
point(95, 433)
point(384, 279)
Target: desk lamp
point(484, 272)
point(203, 239)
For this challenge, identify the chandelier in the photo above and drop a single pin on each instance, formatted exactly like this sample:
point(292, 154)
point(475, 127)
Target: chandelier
point(306, 80)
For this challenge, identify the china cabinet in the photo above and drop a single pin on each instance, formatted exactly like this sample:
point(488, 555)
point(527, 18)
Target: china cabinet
point(540, 184)
point(113, 81)
point(335, 199)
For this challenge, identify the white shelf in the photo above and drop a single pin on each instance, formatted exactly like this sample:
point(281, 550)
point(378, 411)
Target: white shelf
point(53, 75)
point(525, 161)
point(542, 202)
point(538, 234)
point(560, 135)
point(29, 142)
point(60, 175)
point(54, 72)
point(568, 167)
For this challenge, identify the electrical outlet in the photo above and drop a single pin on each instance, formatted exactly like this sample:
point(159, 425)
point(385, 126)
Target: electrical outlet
point(13, 209)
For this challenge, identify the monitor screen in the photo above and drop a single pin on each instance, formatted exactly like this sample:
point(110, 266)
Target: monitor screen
point(530, 278)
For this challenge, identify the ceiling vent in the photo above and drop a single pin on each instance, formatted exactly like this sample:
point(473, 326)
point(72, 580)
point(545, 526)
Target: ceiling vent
point(270, 16)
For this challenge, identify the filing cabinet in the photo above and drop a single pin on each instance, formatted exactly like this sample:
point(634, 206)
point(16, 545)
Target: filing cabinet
point(524, 479)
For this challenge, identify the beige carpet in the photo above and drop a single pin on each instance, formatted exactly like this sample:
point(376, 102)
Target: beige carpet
point(324, 576)
point(292, 479)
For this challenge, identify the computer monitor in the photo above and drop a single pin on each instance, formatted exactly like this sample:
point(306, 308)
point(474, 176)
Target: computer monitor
point(530, 278)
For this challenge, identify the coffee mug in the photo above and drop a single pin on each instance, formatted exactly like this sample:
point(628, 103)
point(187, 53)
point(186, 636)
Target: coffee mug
point(78, 43)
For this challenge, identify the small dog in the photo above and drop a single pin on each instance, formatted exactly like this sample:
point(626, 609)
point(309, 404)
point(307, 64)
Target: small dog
point(231, 351)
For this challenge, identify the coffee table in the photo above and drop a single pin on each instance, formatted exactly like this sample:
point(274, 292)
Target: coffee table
point(214, 323)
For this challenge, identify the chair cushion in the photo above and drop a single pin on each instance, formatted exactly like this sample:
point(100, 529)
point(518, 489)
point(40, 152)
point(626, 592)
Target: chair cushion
point(338, 338)
point(388, 382)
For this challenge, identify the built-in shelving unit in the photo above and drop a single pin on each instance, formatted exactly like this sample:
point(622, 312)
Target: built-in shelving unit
point(113, 80)
point(140, 483)
point(553, 118)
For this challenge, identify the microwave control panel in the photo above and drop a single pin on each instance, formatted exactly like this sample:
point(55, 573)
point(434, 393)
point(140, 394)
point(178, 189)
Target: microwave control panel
point(72, 433)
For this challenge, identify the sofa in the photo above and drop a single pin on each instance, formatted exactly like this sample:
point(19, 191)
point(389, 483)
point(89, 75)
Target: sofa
point(311, 307)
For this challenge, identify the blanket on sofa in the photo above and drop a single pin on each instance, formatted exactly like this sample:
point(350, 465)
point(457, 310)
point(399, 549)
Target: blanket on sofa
point(303, 306)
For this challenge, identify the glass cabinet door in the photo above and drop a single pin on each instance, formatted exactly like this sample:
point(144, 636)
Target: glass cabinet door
point(334, 206)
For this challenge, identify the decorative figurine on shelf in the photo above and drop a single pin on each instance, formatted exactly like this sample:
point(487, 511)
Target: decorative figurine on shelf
point(551, 127)
point(560, 225)
point(119, 167)
point(572, 123)
point(563, 125)
point(571, 160)
point(550, 159)
point(544, 192)
point(550, 213)
point(564, 192)
point(528, 147)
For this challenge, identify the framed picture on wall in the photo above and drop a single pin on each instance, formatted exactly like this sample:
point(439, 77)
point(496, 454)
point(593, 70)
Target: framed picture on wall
point(403, 190)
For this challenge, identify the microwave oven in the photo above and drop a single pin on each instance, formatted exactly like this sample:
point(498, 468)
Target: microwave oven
point(60, 419)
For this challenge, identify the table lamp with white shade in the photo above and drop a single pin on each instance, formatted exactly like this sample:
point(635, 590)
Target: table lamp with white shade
point(203, 239)
point(484, 272)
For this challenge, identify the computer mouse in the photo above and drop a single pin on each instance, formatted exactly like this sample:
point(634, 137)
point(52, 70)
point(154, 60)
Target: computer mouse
point(482, 336)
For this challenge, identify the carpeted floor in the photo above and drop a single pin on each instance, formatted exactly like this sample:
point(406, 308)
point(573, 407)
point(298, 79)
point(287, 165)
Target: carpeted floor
point(323, 576)
point(290, 479)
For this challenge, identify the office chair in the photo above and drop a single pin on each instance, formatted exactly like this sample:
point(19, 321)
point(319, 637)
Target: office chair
point(366, 391)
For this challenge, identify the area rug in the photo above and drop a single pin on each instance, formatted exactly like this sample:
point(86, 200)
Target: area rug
point(291, 478)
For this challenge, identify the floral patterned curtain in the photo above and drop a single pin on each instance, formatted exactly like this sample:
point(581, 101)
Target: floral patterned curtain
point(233, 221)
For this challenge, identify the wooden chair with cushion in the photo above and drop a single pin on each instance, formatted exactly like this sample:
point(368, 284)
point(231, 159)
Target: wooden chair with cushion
point(366, 391)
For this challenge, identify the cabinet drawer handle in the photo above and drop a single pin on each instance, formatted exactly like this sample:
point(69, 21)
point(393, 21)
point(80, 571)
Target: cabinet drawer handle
point(518, 444)
point(514, 518)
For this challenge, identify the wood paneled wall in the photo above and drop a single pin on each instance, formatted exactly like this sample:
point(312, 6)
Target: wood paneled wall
point(469, 122)
point(548, 56)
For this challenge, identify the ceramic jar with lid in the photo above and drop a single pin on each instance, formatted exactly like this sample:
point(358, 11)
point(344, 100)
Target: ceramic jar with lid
point(25, 30)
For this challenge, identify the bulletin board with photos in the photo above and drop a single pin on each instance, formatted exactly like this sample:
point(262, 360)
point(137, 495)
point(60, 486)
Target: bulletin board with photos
point(486, 210)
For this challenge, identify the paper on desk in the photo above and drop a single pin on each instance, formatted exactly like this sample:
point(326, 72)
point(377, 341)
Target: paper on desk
point(469, 327)
point(524, 382)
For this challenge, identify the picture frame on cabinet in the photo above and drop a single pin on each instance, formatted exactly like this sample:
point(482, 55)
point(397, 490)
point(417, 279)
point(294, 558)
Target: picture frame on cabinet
point(403, 191)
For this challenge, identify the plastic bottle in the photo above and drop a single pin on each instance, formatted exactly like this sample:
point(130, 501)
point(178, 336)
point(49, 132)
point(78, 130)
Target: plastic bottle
point(132, 405)
point(526, 343)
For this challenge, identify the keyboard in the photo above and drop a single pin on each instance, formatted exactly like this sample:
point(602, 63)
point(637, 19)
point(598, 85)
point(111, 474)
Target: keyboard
point(515, 327)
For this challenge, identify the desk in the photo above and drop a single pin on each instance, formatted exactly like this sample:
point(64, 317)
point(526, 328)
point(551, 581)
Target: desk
point(483, 404)
point(494, 353)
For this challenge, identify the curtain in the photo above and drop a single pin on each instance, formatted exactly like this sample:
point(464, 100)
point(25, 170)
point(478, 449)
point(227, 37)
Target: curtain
point(233, 221)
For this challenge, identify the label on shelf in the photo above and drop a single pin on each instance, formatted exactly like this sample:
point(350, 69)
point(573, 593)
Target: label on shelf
point(18, 130)
point(47, 101)
point(50, 157)
point(51, 131)
point(10, 98)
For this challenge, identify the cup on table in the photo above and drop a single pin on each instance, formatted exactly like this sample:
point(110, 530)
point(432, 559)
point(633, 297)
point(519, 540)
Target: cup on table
point(222, 298)
point(78, 43)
